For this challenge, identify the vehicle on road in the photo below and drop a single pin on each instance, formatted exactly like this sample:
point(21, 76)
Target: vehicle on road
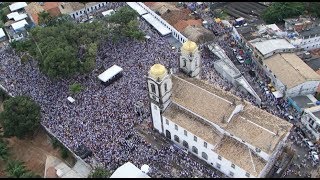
point(240, 59)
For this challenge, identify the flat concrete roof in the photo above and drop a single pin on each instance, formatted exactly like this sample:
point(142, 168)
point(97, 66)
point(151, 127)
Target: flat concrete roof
point(290, 69)
point(266, 46)
point(314, 64)
point(313, 31)
point(302, 101)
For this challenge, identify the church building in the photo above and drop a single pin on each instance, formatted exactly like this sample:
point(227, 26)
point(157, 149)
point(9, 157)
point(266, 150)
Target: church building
point(229, 133)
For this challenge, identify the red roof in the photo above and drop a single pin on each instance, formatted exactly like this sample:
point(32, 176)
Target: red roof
point(52, 8)
point(35, 18)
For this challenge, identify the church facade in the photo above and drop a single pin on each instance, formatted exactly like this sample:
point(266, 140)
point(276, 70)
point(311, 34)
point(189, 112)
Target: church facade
point(230, 134)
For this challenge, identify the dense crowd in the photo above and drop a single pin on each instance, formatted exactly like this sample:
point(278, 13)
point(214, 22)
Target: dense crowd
point(103, 118)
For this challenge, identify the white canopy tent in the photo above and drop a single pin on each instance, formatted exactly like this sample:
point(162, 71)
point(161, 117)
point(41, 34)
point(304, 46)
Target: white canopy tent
point(109, 73)
point(19, 24)
point(70, 99)
point(17, 6)
point(163, 30)
point(108, 12)
point(277, 94)
point(2, 34)
point(135, 6)
point(128, 170)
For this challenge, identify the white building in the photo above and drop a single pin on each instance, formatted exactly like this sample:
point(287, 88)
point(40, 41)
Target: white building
point(77, 9)
point(129, 170)
point(311, 120)
point(310, 39)
point(290, 75)
point(17, 5)
point(228, 133)
point(266, 47)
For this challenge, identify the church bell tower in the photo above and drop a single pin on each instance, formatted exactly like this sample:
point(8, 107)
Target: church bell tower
point(160, 90)
point(190, 59)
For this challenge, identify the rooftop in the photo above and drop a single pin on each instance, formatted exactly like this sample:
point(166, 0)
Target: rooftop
point(192, 124)
point(314, 63)
point(207, 101)
point(315, 110)
point(240, 155)
point(69, 7)
point(52, 8)
point(290, 69)
point(266, 46)
point(17, 5)
point(33, 9)
point(313, 31)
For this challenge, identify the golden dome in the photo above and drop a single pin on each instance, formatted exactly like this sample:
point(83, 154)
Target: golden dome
point(157, 71)
point(189, 46)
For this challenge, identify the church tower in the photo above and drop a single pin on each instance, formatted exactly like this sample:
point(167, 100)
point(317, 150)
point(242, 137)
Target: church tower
point(160, 89)
point(190, 59)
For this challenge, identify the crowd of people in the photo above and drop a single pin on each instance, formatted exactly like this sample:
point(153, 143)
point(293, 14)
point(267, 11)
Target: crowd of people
point(102, 117)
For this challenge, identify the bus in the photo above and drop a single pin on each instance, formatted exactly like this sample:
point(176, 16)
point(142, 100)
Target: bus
point(110, 75)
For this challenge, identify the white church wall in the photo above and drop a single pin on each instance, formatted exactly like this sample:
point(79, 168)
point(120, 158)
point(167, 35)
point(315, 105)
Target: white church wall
point(213, 158)
point(156, 117)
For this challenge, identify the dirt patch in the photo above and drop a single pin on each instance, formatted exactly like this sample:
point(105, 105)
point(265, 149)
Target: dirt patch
point(34, 152)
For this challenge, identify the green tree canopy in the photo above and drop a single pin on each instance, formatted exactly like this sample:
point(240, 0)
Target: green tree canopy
point(17, 169)
point(21, 116)
point(100, 172)
point(75, 88)
point(64, 48)
point(282, 10)
point(4, 152)
point(125, 24)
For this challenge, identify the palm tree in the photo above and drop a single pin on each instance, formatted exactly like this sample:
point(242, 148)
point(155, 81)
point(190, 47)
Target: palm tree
point(4, 153)
point(15, 169)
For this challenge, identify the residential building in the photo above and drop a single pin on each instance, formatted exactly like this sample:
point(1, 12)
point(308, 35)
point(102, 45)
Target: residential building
point(306, 31)
point(311, 120)
point(290, 75)
point(228, 133)
point(77, 9)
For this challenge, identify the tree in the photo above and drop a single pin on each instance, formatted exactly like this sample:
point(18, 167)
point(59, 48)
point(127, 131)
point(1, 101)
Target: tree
point(125, 24)
point(99, 172)
point(75, 88)
point(4, 153)
point(21, 116)
point(282, 10)
point(44, 18)
point(15, 169)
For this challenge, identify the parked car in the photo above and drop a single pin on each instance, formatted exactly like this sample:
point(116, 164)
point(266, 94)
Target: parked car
point(240, 59)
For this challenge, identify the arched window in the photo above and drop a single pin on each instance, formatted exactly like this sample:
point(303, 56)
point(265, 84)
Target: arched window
point(185, 144)
point(204, 155)
point(165, 87)
point(153, 88)
point(176, 138)
point(168, 134)
point(194, 149)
